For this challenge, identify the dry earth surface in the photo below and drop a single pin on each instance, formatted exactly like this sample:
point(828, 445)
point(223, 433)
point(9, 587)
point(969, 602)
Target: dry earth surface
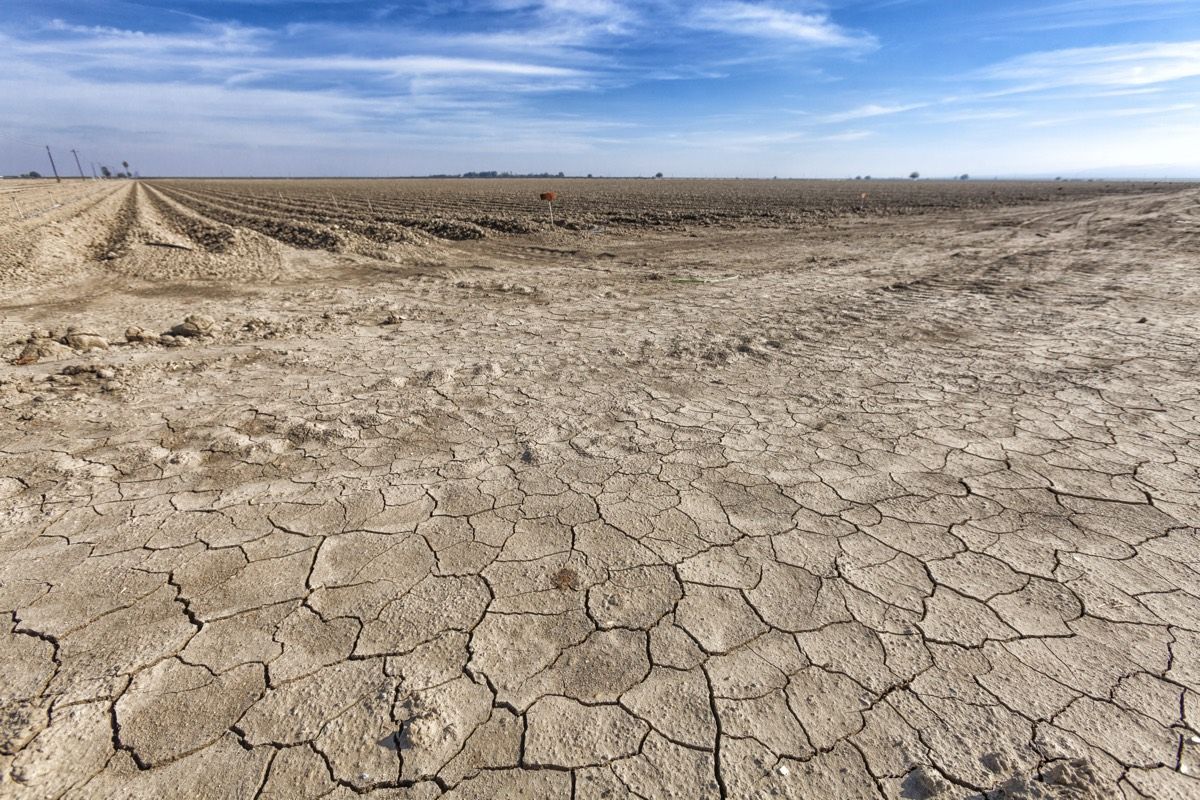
point(711, 490)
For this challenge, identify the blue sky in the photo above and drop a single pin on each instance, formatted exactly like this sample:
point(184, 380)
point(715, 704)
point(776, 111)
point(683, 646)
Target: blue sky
point(616, 87)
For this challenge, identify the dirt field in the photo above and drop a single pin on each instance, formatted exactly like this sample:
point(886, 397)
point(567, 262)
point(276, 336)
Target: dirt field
point(711, 490)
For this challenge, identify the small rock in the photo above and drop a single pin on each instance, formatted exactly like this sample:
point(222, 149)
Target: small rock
point(394, 319)
point(1142, 320)
point(84, 341)
point(194, 325)
point(134, 334)
point(106, 373)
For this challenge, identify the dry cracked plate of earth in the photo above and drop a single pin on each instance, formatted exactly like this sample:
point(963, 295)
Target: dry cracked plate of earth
point(708, 490)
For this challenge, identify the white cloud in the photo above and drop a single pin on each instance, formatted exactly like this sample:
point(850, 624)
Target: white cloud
point(208, 38)
point(872, 110)
point(751, 19)
point(581, 20)
point(849, 136)
point(93, 50)
point(406, 65)
point(1107, 66)
point(1048, 16)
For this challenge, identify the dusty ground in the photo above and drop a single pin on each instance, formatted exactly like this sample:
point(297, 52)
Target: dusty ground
point(823, 500)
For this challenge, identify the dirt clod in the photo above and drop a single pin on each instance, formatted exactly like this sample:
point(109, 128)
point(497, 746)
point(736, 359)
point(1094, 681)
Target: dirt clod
point(136, 335)
point(565, 579)
point(83, 341)
point(43, 350)
point(194, 326)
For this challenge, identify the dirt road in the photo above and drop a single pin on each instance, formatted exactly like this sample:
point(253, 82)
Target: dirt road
point(890, 506)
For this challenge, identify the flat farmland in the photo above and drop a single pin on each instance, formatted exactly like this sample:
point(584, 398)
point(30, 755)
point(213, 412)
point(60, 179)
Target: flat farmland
point(709, 489)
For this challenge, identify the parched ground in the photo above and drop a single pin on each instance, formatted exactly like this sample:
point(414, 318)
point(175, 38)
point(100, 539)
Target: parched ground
point(850, 504)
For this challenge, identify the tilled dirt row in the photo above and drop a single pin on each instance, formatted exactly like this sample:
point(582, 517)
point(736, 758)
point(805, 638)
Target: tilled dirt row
point(309, 235)
point(355, 214)
point(58, 243)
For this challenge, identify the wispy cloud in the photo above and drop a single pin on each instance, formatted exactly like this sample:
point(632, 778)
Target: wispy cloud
point(1073, 14)
point(872, 110)
point(849, 136)
point(205, 37)
point(251, 56)
point(1122, 65)
point(764, 21)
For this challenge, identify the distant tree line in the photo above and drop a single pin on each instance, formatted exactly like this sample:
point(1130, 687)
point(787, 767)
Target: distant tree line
point(496, 174)
point(105, 172)
point(913, 176)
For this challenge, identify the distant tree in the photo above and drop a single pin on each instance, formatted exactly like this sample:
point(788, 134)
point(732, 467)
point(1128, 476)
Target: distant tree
point(964, 177)
point(32, 175)
point(561, 175)
point(914, 175)
point(866, 177)
point(589, 174)
point(658, 174)
point(106, 172)
point(125, 164)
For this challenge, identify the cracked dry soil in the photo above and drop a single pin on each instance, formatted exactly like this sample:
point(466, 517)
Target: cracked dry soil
point(897, 507)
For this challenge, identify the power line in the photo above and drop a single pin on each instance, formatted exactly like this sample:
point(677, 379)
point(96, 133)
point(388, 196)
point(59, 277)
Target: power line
point(20, 141)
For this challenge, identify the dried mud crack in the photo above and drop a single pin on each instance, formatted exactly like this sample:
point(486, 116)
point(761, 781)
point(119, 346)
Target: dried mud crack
point(396, 491)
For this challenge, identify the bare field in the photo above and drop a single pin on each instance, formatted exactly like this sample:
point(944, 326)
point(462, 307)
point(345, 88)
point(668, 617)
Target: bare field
point(713, 489)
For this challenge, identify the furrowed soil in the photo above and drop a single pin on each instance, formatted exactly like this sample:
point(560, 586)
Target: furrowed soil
point(710, 489)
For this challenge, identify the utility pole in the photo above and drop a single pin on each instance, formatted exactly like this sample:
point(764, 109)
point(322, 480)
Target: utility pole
point(95, 177)
point(81, 175)
point(52, 164)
